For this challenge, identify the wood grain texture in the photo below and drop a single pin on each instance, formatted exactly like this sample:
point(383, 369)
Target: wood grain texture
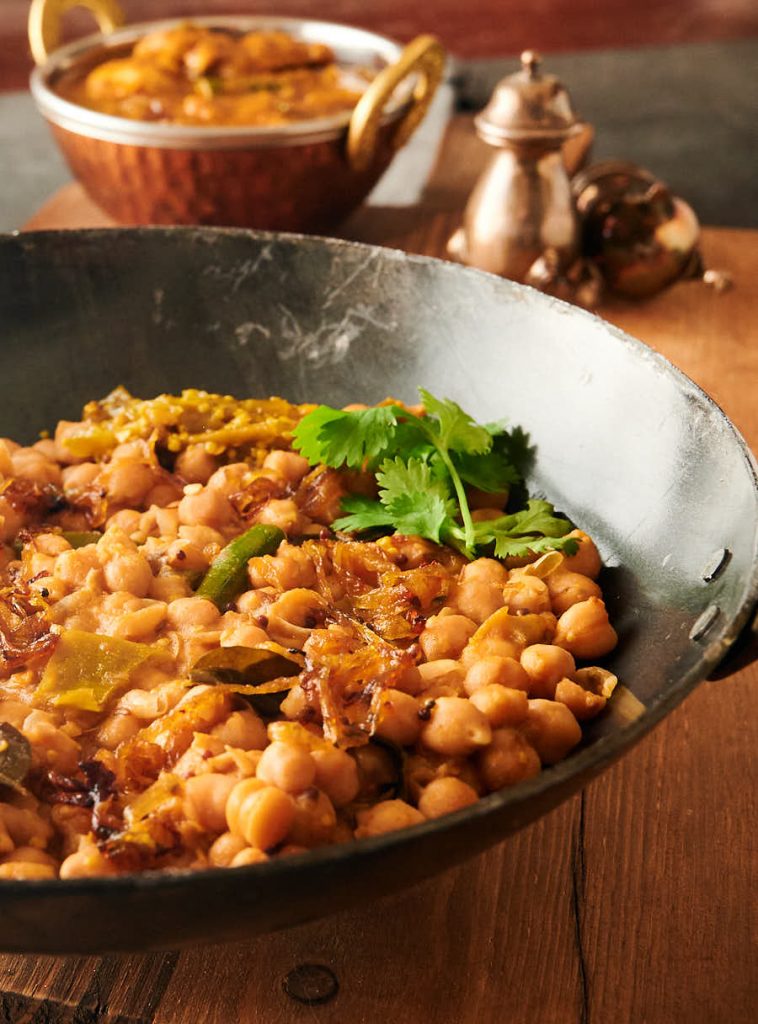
point(634, 903)
point(477, 28)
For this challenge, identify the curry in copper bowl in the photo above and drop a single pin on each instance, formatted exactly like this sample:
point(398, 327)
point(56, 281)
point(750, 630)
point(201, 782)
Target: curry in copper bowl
point(262, 122)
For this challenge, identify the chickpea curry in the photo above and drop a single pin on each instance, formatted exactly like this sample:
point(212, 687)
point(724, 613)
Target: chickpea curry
point(235, 630)
point(193, 75)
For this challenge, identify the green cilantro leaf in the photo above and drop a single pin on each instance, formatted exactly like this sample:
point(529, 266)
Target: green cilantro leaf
point(423, 464)
point(364, 514)
point(490, 471)
point(522, 547)
point(456, 430)
point(418, 498)
point(337, 438)
point(536, 528)
point(412, 500)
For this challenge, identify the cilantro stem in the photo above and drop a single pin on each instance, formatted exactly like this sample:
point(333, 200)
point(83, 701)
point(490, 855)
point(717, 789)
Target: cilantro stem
point(460, 492)
point(454, 538)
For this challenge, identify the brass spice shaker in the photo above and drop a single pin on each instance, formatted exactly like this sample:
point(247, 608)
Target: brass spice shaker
point(523, 204)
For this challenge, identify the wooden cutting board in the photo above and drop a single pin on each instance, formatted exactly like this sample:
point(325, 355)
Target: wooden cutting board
point(634, 903)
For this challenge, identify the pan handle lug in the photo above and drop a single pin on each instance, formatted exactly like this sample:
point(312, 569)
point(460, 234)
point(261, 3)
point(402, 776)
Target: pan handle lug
point(742, 652)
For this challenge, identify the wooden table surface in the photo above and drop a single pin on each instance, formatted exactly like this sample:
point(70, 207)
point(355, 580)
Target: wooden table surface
point(633, 902)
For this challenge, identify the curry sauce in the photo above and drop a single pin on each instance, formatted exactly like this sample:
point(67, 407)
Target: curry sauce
point(204, 76)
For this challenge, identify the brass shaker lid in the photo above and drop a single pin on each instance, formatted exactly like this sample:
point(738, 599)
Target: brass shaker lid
point(527, 106)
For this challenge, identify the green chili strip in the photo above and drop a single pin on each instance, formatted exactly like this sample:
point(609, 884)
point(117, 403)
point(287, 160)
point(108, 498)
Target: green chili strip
point(227, 575)
point(81, 538)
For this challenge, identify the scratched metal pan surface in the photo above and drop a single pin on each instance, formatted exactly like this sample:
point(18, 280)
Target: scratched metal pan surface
point(628, 447)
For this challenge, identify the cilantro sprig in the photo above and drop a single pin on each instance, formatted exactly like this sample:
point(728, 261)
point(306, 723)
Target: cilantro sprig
point(423, 465)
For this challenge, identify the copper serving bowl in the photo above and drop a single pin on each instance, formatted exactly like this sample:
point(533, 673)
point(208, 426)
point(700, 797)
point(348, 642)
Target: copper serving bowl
point(304, 176)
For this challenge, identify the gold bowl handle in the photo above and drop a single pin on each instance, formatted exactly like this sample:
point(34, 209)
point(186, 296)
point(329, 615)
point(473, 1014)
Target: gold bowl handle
point(44, 25)
point(424, 57)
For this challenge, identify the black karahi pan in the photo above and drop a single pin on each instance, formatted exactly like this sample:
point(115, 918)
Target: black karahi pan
point(628, 447)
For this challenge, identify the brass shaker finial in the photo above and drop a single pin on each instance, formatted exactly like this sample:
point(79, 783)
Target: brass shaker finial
point(530, 62)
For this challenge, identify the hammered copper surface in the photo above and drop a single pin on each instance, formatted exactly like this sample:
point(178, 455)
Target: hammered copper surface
point(296, 188)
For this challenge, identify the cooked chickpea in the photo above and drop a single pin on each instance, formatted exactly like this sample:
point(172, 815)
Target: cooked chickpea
point(569, 588)
point(195, 464)
point(455, 727)
point(165, 492)
point(509, 759)
point(546, 665)
point(410, 680)
point(242, 729)
point(587, 559)
point(377, 771)
point(288, 766)
point(299, 705)
point(444, 796)
point(33, 465)
point(86, 862)
point(336, 775)
point(79, 478)
point(73, 566)
point(441, 678)
point(551, 729)
point(582, 704)
point(202, 536)
point(224, 849)
point(31, 855)
point(169, 587)
point(116, 728)
point(315, 819)
point(290, 567)
point(585, 631)
point(479, 591)
point(501, 705)
point(292, 616)
point(24, 827)
point(255, 602)
point(261, 814)
point(281, 512)
point(250, 855)
point(492, 646)
point(127, 482)
point(494, 670)
point(126, 519)
point(128, 571)
point(209, 507)
point(526, 594)
point(398, 720)
point(445, 636)
point(189, 612)
point(387, 816)
point(289, 466)
point(187, 557)
point(240, 631)
point(52, 747)
point(205, 799)
point(17, 871)
point(139, 621)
